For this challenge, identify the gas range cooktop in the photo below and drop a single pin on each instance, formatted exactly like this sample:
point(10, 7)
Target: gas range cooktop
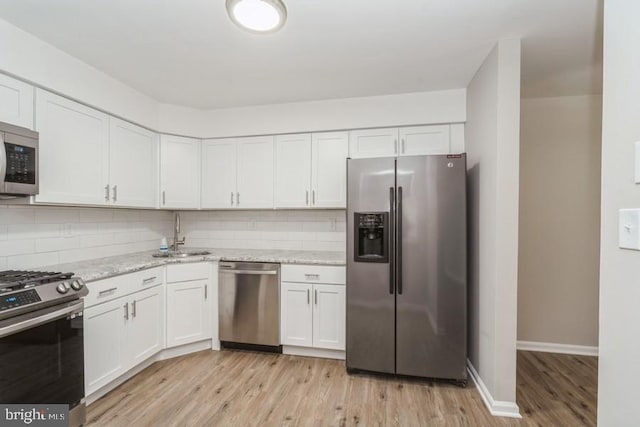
point(24, 291)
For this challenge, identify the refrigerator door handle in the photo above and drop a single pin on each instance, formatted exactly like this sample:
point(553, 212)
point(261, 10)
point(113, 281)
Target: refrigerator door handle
point(391, 226)
point(399, 243)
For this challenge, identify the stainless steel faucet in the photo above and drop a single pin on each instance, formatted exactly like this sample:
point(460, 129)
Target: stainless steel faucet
point(176, 231)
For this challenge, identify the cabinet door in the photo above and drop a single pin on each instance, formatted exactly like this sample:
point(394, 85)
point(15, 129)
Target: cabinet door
point(133, 165)
point(179, 172)
point(255, 172)
point(145, 330)
point(296, 315)
point(188, 312)
point(329, 171)
point(74, 151)
point(16, 102)
point(219, 173)
point(373, 143)
point(419, 140)
point(329, 316)
point(105, 355)
point(293, 171)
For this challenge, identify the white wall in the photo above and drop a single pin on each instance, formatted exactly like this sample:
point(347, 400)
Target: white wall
point(336, 114)
point(559, 232)
point(29, 58)
point(311, 230)
point(492, 142)
point(619, 370)
point(39, 236)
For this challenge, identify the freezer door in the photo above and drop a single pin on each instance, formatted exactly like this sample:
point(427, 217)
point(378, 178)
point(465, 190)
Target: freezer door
point(431, 304)
point(370, 292)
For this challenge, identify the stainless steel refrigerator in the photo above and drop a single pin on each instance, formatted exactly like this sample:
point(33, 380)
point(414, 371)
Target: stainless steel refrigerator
point(407, 266)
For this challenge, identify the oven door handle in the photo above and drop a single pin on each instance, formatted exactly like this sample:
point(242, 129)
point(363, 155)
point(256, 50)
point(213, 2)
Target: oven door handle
point(3, 160)
point(33, 319)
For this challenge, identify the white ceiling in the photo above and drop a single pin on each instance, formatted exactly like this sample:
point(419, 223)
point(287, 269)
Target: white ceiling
point(187, 52)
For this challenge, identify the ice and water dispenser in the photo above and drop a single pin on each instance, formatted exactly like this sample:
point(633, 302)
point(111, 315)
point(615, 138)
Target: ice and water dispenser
point(371, 236)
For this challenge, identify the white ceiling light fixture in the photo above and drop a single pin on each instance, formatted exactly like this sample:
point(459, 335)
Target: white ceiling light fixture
point(258, 16)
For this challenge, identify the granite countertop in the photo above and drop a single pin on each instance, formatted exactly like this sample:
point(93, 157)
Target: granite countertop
point(101, 268)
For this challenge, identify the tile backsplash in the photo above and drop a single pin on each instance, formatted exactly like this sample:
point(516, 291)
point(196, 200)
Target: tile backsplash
point(33, 236)
point(310, 230)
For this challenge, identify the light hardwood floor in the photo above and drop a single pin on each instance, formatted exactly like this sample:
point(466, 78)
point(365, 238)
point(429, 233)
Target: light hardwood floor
point(235, 388)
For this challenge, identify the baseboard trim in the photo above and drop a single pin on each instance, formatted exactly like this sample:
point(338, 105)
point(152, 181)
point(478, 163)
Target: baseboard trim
point(497, 408)
point(549, 347)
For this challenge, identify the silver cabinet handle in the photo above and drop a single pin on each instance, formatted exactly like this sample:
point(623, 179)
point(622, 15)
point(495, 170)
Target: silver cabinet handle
point(315, 295)
point(308, 297)
point(403, 146)
point(307, 198)
point(237, 199)
point(395, 146)
point(115, 193)
point(313, 197)
point(149, 279)
point(3, 159)
point(205, 291)
point(107, 291)
point(164, 200)
point(126, 311)
point(251, 272)
point(106, 193)
point(232, 198)
point(312, 276)
point(133, 308)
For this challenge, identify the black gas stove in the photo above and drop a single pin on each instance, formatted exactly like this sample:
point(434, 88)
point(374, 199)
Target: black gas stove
point(23, 291)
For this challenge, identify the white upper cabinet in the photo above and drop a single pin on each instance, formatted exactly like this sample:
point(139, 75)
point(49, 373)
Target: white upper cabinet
point(373, 143)
point(419, 140)
point(133, 165)
point(293, 171)
point(311, 170)
point(179, 172)
point(16, 102)
point(219, 169)
point(255, 172)
point(329, 169)
point(74, 151)
point(406, 141)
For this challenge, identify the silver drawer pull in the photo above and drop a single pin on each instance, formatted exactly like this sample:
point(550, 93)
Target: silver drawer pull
point(133, 311)
point(107, 291)
point(312, 276)
point(149, 279)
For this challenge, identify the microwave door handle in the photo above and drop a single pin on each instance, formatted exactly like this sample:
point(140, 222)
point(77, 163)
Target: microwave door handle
point(3, 160)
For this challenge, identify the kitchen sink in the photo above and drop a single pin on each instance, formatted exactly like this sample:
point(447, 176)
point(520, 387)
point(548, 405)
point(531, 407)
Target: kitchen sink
point(179, 254)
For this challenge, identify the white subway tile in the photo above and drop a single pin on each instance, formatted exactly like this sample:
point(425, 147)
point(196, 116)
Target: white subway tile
point(95, 215)
point(33, 231)
point(334, 236)
point(3, 263)
point(57, 244)
point(46, 215)
point(316, 246)
point(3, 232)
point(17, 247)
point(19, 262)
point(17, 215)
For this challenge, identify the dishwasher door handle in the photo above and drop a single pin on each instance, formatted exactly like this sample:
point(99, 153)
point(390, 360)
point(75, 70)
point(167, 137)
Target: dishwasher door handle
point(255, 272)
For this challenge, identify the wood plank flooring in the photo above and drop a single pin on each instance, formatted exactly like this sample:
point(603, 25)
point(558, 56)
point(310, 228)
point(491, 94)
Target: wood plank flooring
point(236, 388)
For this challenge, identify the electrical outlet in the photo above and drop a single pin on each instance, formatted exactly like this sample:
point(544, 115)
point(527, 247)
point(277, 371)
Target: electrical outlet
point(68, 230)
point(332, 224)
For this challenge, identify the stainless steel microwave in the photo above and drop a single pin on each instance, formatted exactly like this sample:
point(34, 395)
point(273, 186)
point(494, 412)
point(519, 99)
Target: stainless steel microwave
point(18, 161)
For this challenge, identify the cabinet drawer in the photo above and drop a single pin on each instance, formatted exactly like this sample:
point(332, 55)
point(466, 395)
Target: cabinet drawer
point(313, 274)
point(115, 287)
point(184, 272)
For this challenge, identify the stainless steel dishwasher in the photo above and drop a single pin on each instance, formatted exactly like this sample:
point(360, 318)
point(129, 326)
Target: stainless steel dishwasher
point(249, 303)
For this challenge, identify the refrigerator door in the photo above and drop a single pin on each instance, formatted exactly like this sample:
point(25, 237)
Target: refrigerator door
point(370, 292)
point(431, 317)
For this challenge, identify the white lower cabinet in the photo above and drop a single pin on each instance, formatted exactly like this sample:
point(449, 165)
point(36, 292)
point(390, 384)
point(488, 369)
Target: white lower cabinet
point(121, 333)
point(189, 297)
point(313, 314)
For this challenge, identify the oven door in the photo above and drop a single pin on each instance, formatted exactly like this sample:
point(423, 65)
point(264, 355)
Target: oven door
point(42, 356)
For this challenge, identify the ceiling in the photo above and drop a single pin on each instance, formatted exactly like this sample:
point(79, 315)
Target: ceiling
point(187, 52)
